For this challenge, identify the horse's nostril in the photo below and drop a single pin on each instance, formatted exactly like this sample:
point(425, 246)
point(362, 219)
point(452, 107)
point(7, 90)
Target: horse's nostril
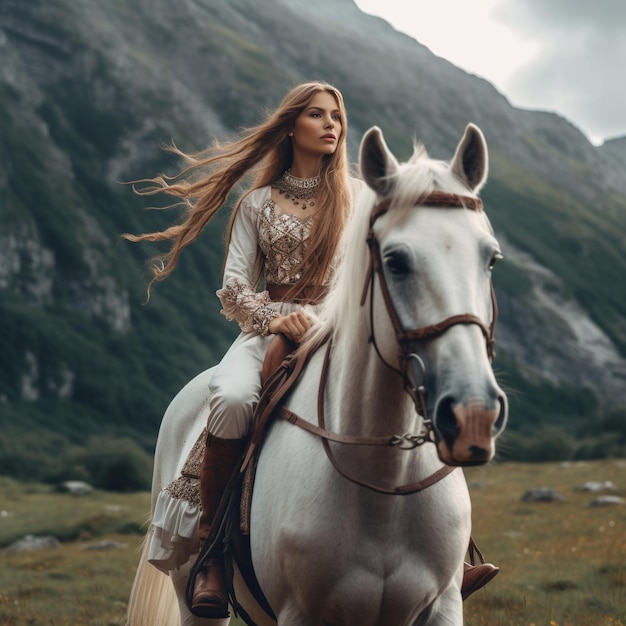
point(500, 423)
point(446, 422)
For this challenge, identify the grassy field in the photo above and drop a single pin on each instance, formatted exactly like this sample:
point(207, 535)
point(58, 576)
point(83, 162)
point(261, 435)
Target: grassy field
point(563, 563)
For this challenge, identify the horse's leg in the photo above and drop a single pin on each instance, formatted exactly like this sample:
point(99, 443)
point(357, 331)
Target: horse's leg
point(179, 579)
point(291, 615)
point(446, 610)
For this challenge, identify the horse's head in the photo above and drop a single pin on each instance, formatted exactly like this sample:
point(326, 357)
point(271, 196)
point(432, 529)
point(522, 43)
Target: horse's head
point(433, 251)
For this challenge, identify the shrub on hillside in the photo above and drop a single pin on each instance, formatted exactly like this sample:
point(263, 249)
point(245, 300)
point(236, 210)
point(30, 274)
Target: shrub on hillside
point(615, 422)
point(112, 464)
point(540, 445)
point(32, 457)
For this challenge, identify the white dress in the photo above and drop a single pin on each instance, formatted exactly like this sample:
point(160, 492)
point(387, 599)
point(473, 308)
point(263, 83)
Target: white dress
point(233, 386)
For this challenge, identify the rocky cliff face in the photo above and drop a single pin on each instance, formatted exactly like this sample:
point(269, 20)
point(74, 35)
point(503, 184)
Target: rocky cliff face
point(615, 149)
point(554, 335)
point(89, 90)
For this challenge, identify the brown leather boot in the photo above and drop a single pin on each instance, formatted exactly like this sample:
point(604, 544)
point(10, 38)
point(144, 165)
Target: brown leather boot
point(475, 577)
point(210, 598)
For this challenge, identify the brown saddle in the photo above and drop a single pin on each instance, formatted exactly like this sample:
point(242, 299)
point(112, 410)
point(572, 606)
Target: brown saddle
point(280, 348)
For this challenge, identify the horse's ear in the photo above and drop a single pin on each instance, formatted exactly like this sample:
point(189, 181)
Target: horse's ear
point(378, 165)
point(471, 160)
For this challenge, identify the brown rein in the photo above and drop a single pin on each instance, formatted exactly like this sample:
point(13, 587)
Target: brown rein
point(326, 436)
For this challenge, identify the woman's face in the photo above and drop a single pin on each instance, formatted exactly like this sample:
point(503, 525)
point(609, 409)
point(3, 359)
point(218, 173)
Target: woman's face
point(318, 127)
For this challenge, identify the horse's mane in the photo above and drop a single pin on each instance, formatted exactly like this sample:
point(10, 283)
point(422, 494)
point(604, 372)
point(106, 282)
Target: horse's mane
point(415, 179)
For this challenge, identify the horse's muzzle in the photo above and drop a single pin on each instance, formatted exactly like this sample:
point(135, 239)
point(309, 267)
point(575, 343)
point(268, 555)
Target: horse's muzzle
point(465, 433)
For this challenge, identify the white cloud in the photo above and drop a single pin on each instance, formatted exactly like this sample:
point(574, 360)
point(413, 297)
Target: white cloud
point(559, 55)
point(561, 15)
point(579, 70)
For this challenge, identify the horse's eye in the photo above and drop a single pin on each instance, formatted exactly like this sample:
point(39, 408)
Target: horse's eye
point(397, 263)
point(494, 259)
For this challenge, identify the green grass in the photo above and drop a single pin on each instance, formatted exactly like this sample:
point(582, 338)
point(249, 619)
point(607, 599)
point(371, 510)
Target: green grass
point(71, 585)
point(562, 563)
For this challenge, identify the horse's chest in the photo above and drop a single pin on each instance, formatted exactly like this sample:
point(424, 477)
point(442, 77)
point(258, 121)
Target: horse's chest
point(364, 563)
point(356, 583)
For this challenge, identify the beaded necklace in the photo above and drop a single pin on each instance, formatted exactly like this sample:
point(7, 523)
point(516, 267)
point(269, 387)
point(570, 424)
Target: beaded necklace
point(300, 191)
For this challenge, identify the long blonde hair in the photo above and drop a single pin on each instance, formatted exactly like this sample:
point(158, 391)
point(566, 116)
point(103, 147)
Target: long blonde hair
point(266, 151)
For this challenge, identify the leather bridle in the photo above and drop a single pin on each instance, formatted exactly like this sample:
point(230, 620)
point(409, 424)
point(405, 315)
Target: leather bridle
point(412, 369)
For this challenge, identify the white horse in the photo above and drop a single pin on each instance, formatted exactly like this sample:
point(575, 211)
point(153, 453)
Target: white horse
point(410, 321)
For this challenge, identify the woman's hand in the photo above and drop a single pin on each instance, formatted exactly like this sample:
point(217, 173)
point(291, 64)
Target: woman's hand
point(293, 326)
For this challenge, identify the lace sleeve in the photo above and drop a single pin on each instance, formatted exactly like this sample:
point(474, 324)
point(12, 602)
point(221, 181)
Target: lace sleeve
point(246, 306)
point(240, 300)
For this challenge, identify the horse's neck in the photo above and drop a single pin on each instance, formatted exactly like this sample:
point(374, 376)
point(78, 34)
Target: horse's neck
point(364, 397)
point(365, 394)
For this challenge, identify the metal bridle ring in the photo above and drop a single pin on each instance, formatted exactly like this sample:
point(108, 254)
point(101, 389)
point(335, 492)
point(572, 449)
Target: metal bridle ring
point(412, 356)
point(408, 441)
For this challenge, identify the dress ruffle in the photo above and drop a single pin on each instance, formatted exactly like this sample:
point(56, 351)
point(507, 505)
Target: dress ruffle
point(174, 531)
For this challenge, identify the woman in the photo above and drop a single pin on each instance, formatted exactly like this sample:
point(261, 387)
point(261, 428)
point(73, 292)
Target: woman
point(283, 237)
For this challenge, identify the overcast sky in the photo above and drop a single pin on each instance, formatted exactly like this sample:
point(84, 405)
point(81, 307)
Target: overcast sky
point(567, 56)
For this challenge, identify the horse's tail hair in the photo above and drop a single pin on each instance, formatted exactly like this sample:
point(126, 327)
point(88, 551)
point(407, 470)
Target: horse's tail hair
point(152, 600)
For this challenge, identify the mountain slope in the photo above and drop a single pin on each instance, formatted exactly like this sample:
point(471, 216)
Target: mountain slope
point(88, 91)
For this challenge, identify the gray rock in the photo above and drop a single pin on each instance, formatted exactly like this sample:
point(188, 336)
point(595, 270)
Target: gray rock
point(30, 542)
point(606, 501)
point(596, 486)
point(76, 487)
point(542, 494)
point(106, 544)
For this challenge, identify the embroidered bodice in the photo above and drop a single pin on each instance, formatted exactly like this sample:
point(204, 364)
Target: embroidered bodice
point(281, 237)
